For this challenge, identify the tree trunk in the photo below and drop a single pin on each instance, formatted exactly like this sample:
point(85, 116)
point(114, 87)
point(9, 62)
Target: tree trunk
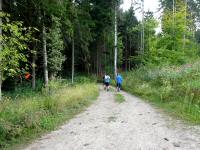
point(0, 49)
point(185, 24)
point(100, 56)
point(173, 24)
point(73, 58)
point(104, 51)
point(115, 57)
point(142, 33)
point(52, 76)
point(126, 55)
point(33, 70)
point(130, 54)
point(45, 55)
point(97, 60)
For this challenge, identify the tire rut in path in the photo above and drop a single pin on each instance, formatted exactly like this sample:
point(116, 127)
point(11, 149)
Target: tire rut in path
point(132, 125)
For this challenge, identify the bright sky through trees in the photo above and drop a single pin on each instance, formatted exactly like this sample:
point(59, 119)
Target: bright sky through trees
point(151, 5)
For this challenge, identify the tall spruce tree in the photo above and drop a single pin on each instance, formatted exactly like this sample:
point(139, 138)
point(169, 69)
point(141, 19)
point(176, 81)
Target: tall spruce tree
point(55, 48)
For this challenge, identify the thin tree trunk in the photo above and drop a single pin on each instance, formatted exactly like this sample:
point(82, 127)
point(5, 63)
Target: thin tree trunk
point(73, 36)
point(185, 24)
point(104, 51)
point(115, 57)
point(0, 49)
point(141, 50)
point(173, 24)
point(97, 60)
point(45, 55)
point(73, 58)
point(100, 56)
point(33, 70)
point(193, 27)
point(126, 55)
point(142, 34)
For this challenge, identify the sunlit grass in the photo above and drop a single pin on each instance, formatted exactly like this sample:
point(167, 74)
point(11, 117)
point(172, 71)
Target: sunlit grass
point(176, 89)
point(28, 117)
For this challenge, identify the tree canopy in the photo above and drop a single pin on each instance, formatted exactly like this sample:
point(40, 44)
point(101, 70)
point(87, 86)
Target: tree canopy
point(51, 38)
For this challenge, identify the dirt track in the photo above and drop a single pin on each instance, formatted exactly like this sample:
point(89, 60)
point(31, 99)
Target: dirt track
point(132, 125)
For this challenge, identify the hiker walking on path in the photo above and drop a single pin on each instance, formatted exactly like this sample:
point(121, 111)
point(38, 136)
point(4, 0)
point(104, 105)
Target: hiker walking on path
point(119, 80)
point(107, 82)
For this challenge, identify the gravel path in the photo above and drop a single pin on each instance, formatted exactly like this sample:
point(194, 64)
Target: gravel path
point(132, 125)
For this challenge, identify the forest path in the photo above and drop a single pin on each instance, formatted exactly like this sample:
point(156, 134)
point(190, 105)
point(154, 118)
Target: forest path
point(131, 125)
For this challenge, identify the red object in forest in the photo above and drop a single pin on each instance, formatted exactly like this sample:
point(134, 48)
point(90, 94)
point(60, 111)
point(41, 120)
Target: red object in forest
point(27, 76)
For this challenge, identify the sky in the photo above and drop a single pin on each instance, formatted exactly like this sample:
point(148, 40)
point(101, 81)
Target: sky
point(151, 5)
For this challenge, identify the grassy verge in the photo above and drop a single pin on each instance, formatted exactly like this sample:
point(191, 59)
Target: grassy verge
point(176, 89)
point(119, 98)
point(27, 118)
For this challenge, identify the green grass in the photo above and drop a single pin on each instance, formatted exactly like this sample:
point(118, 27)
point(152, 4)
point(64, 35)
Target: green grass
point(175, 89)
point(28, 117)
point(119, 98)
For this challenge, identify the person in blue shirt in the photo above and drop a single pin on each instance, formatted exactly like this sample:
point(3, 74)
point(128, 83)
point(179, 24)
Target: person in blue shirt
point(119, 81)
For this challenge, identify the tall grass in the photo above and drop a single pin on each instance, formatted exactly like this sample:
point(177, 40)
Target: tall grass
point(175, 88)
point(27, 117)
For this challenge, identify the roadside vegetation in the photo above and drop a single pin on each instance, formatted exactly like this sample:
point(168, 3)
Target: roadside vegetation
point(168, 71)
point(177, 89)
point(27, 116)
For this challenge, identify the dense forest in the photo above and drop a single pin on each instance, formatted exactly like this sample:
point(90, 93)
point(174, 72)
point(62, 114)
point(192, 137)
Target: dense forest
point(47, 40)
point(51, 39)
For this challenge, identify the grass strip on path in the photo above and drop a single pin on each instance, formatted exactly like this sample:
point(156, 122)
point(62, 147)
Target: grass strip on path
point(119, 98)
